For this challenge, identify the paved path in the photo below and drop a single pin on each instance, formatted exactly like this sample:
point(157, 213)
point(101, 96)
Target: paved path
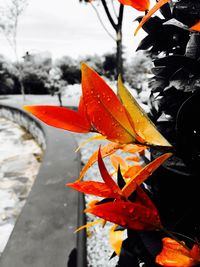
point(43, 235)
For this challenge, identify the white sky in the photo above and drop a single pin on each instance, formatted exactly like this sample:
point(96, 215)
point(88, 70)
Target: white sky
point(66, 27)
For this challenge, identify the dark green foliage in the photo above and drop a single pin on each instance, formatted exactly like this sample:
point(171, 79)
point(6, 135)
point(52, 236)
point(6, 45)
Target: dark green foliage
point(175, 97)
point(35, 73)
point(109, 66)
point(70, 70)
point(6, 77)
point(138, 70)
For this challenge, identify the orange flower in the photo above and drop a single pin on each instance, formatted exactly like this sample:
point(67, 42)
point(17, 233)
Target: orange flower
point(175, 254)
point(141, 5)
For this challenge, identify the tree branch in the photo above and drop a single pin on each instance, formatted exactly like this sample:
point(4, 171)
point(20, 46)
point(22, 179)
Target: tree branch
point(100, 20)
point(114, 10)
point(108, 14)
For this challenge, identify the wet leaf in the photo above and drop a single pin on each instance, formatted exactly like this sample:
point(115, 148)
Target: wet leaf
point(105, 111)
point(60, 117)
point(107, 178)
point(143, 174)
point(94, 188)
point(127, 214)
point(143, 126)
point(143, 199)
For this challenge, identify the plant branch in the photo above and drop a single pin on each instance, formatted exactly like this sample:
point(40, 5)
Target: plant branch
point(114, 25)
point(114, 10)
point(100, 20)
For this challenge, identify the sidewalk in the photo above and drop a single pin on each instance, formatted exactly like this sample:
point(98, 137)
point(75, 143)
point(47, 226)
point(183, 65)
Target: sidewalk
point(43, 235)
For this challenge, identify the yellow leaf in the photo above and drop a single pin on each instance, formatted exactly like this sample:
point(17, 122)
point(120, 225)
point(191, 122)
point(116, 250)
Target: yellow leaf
point(116, 239)
point(143, 126)
point(96, 137)
point(89, 225)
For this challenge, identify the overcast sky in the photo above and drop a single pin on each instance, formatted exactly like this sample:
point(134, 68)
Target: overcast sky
point(66, 27)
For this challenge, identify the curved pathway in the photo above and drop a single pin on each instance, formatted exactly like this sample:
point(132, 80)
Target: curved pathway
point(43, 235)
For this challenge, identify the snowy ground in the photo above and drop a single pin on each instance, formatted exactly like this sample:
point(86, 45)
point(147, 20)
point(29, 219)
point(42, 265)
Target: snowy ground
point(19, 164)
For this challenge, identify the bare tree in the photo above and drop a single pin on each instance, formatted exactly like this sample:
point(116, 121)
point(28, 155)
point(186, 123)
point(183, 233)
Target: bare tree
point(114, 14)
point(9, 21)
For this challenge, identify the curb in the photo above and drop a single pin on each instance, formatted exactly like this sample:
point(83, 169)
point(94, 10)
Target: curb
point(43, 234)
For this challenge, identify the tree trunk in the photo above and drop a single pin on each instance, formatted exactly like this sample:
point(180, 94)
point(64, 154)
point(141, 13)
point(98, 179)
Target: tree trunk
point(119, 61)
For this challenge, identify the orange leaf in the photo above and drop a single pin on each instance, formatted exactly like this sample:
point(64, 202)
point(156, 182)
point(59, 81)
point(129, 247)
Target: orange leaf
point(116, 161)
point(132, 148)
point(61, 117)
point(116, 239)
point(150, 13)
point(143, 174)
point(132, 171)
point(105, 151)
point(196, 27)
point(88, 225)
point(195, 252)
point(94, 188)
point(141, 5)
point(174, 254)
point(105, 111)
point(107, 178)
point(133, 158)
point(127, 214)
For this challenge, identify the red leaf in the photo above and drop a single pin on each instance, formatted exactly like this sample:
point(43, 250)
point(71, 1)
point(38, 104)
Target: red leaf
point(144, 199)
point(195, 252)
point(105, 111)
point(94, 188)
point(105, 151)
point(142, 175)
point(106, 176)
point(127, 214)
point(61, 117)
point(141, 5)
